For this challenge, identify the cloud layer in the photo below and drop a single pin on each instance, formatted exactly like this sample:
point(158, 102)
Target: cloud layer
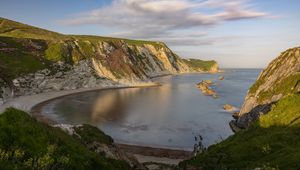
point(173, 21)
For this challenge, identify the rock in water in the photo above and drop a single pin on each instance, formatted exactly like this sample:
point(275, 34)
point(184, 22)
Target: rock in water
point(235, 115)
point(228, 107)
point(204, 86)
point(208, 82)
point(221, 78)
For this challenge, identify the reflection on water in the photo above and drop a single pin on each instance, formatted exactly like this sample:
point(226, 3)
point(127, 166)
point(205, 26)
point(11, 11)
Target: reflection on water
point(166, 116)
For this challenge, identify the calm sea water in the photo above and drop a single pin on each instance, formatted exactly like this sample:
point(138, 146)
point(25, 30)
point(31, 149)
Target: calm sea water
point(168, 116)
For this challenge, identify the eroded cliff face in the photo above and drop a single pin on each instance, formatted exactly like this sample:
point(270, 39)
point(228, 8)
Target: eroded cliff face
point(120, 61)
point(34, 60)
point(80, 63)
point(278, 80)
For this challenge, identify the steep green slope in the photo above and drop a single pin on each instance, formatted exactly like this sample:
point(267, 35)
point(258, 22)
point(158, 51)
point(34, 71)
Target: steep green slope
point(270, 119)
point(279, 79)
point(15, 29)
point(284, 74)
point(11, 28)
point(28, 144)
point(21, 56)
point(205, 65)
point(273, 142)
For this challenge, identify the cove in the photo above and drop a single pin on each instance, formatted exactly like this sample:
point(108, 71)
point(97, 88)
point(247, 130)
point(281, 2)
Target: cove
point(167, 116)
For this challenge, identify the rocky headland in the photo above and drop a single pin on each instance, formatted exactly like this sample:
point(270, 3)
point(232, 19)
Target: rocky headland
point(267, 126)
point(228, 107)
point(281, 78)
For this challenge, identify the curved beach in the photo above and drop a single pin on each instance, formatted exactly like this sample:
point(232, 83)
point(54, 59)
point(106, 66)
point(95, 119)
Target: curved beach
point(33, 103)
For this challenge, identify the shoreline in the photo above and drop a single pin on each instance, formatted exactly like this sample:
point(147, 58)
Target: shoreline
point(26, 103)
point(33, 103)
point(144, 154)
point(148, 154)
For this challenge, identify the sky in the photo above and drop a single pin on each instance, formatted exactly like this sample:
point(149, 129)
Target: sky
point(235, 33)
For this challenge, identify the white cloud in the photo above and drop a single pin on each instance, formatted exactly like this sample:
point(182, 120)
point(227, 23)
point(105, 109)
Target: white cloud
point(162, 19)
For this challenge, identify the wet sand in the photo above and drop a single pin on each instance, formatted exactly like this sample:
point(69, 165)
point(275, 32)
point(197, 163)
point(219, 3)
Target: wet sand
point(159, 155)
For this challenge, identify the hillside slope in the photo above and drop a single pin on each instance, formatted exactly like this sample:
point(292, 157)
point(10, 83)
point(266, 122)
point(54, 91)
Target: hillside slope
point(270, 118)
point(28, 144)
point(280, 79)
point(272, 142)
point(31, 58)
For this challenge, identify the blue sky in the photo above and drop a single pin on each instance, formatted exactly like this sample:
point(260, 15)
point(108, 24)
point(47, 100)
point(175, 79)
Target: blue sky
point(236, 33)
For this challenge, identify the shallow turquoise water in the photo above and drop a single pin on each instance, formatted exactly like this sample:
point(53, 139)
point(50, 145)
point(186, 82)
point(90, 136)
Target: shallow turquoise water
point(167, 116)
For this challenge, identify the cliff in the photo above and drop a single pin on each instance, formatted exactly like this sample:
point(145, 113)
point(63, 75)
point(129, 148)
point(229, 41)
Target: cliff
point(270, 117)
point(35, 60)
point(280, 79)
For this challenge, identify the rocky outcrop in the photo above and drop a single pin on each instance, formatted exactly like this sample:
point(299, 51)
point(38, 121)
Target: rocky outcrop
point(62, 76)
point(205, 88)
point(228, 107)
point(5, 91)
point(279, 79)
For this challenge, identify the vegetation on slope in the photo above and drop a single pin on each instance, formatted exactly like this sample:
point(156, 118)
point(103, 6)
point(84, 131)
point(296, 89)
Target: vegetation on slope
point(286, 86)
point(11, 28)
point(28, 144)
point(21, 56)
point(284, 74)
point(53, 46)
point(196, 63)
point(25, 49)
point(272, 142)
point(90, 134)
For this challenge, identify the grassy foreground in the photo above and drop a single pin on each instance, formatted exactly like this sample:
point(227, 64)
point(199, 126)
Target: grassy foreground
point(28, 144)
point(273, 142)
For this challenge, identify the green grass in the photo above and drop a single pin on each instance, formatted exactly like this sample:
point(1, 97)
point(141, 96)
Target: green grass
point(270, 143)
point(55, 52)
point(19, 57)
point(112, 39)
point(284, 113)
point(255, 86)
point(28, 144)
point(196, 64)
point(90, 134)
point(87, 48)
point(285, 86)
point(9, 28)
